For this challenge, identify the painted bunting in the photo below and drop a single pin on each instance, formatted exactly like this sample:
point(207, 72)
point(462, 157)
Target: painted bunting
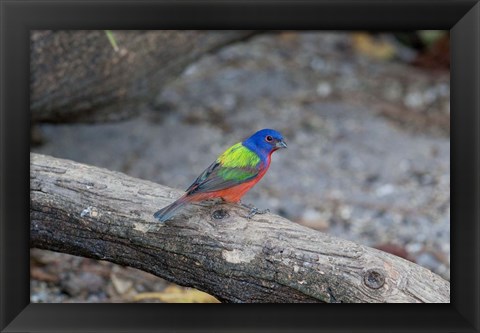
point(232, 174)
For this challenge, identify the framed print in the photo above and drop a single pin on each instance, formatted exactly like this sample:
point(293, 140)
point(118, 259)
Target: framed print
point(194, 256)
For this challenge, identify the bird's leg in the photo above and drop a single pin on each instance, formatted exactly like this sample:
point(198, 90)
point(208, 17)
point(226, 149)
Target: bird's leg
point(253, 210)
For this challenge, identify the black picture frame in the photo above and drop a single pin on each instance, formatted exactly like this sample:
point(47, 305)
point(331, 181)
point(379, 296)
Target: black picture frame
point(461, 17)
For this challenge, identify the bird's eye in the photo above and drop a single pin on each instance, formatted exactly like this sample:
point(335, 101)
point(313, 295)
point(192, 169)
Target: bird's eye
point(269, 138)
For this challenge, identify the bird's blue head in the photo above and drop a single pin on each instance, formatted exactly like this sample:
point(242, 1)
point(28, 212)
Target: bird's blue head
point(265, 141)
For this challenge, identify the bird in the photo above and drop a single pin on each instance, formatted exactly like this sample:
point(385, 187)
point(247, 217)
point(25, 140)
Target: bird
point(232, 174)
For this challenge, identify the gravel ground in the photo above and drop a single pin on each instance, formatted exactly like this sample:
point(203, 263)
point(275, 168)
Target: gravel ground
point(368, 155)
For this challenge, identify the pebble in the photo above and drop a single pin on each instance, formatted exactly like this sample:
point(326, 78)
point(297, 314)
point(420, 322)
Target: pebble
point(385, 190)
point(324, 89)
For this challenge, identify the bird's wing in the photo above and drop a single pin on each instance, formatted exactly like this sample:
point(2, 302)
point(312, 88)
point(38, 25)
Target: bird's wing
point(235, 166)
point(203, 177)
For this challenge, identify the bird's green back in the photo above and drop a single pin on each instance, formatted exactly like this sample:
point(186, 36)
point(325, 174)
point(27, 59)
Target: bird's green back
point(238, 163)
point(238, 156)
point(235, 166)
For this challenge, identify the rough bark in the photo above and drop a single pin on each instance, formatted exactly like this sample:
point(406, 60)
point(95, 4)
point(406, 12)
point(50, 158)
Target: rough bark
point(78, 76)
point(97, 213)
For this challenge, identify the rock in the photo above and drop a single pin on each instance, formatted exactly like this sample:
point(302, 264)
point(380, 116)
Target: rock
point(82, 283)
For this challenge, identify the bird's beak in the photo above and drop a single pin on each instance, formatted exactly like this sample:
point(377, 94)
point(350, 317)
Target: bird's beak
point(281, 144)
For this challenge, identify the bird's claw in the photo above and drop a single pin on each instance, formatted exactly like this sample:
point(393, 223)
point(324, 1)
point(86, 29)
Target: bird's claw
point(254, 211)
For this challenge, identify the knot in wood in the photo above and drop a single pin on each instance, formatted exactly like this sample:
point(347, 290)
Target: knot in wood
point(374, 278)
point(220, 214)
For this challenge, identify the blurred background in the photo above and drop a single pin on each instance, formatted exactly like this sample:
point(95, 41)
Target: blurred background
point(366, 117)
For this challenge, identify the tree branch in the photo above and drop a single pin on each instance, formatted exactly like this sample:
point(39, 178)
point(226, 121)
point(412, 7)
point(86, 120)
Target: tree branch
point(101, 214)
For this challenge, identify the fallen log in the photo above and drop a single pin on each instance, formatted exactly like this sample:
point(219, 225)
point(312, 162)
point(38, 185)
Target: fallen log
point(78, 76)
point(97, 213)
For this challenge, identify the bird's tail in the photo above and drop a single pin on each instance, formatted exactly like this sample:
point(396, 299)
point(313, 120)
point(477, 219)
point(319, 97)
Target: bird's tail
point(167, 212)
